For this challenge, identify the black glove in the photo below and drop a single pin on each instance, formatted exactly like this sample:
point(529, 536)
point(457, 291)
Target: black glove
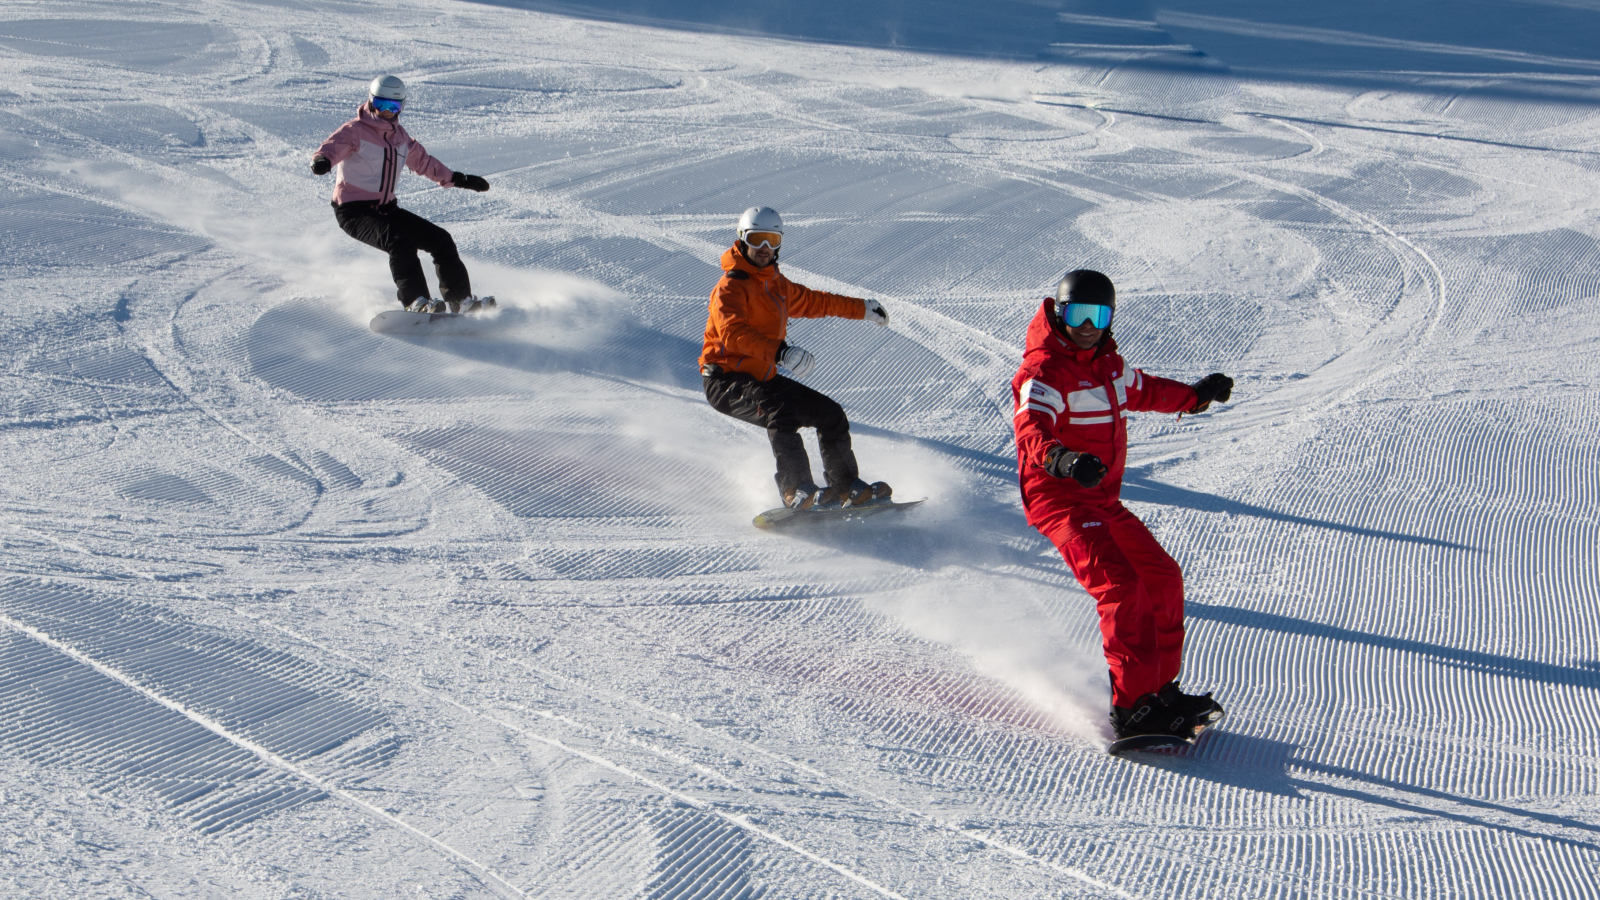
point(1084, 468)
point(470, 182)
point(320, 165)
point(1215, 386)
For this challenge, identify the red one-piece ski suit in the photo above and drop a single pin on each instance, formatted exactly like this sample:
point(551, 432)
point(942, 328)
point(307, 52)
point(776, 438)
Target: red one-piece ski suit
point(1080, 399)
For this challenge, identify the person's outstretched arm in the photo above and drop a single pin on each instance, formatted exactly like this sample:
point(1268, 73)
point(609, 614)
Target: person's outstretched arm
point(1152, 393)
point(418, 161)
point(805, 303)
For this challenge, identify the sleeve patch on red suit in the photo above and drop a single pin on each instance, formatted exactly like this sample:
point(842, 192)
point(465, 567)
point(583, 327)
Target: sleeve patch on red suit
point(1036, 395)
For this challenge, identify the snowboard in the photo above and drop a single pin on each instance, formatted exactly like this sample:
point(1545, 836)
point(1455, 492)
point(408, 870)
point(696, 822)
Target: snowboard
point(784, 517)
point(400, 321)
point(1158, 741)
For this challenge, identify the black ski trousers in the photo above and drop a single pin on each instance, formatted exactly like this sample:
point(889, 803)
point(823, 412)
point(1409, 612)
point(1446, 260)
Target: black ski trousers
point(783, 406)
point(401, 234)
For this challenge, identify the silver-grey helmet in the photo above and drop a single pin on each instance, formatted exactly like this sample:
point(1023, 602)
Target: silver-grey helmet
point(389, 87)
point(760, 218)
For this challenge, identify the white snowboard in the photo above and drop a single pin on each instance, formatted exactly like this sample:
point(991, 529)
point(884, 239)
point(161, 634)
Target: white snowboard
point(399, 321)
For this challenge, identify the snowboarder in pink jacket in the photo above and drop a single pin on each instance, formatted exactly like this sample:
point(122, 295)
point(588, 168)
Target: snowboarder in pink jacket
point(367, 151)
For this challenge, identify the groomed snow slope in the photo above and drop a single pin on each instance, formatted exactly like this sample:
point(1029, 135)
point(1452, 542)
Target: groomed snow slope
point(293, 610)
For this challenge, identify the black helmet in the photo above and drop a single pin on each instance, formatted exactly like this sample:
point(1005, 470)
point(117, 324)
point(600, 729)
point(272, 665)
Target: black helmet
point(1085, 286)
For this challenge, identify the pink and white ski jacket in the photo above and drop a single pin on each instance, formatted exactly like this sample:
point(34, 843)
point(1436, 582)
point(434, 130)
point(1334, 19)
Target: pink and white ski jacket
point(367, 151)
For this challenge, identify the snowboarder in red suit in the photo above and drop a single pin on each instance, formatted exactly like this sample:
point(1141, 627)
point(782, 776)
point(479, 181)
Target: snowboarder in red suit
point(1072, 397)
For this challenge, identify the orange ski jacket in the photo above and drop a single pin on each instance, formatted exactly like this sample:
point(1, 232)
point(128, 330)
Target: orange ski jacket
point(750, 312)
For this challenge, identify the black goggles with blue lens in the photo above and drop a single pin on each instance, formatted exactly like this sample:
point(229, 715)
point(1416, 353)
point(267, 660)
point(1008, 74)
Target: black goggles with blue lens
point(1075, 314)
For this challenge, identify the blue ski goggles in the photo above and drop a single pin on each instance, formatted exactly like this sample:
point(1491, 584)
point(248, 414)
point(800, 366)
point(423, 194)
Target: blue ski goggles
point(1075, 314)
point(384, 104)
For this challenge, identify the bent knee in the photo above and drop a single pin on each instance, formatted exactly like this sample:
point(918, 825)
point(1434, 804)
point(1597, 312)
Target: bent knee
point(832, 419)
point(1162, 566)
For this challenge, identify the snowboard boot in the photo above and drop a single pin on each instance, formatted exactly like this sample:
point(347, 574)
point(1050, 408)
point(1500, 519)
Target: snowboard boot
point(475, 304)
point(862, 494)
point(1148, 715)
point(801, 497)
point(830, 498)
point(430, 305)
point(419, 305)
point(1199, 709)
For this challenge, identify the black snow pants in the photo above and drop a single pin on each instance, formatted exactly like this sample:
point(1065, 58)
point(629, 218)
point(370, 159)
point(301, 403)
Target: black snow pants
point(401, 234)
point(783, 406)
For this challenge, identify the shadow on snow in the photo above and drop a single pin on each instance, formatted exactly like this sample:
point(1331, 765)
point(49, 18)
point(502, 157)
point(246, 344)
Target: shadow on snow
point(1471, 660)
point(1269, 766)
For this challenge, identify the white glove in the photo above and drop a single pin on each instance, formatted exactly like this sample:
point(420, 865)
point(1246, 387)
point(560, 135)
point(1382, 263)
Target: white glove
point(876, 314)
point(797, 361)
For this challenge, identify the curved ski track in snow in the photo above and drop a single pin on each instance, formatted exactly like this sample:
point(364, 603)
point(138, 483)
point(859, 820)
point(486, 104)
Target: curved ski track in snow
point(494, 596)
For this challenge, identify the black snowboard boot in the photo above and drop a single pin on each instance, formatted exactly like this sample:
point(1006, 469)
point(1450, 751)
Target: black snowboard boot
point(1148, 715)
point(1199, 709)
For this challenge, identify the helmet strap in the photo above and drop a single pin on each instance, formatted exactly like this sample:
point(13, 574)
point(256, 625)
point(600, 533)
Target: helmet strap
point(1056, 325)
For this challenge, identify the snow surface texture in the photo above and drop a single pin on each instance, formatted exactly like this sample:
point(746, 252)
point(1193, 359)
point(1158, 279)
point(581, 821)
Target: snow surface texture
point(294, 610)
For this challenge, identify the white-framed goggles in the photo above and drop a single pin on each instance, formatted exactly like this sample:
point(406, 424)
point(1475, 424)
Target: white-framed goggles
point(755, 240)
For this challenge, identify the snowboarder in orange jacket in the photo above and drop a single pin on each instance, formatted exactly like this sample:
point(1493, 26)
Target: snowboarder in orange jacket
point(746, 341)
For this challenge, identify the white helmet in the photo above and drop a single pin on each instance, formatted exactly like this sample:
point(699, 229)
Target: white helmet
point(389, 87)
point(760, 218)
